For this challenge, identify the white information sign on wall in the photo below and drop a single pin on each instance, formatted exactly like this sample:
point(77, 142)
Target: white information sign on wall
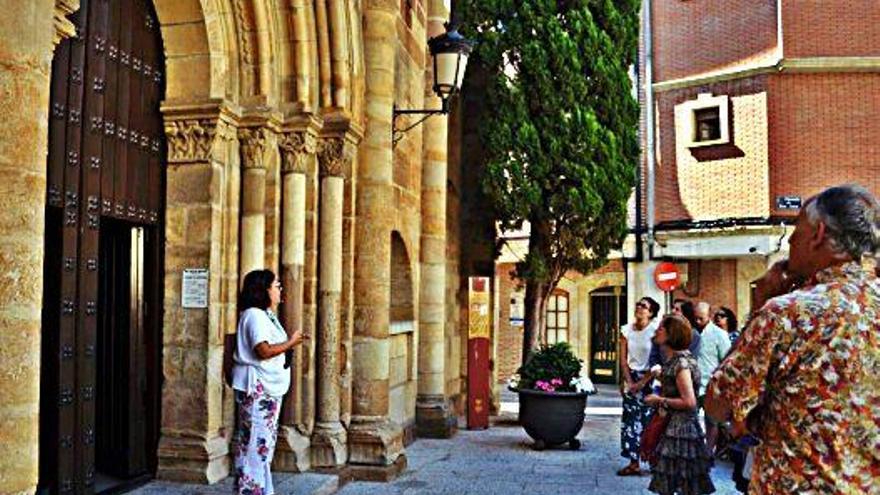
point(194, 290)
point(517, 308)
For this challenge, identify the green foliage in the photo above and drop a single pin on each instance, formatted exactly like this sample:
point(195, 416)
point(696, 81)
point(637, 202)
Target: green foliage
point(551, 362)
point(561, 138)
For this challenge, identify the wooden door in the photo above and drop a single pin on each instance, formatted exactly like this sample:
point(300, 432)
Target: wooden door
point(106, 147)
point(607, 315)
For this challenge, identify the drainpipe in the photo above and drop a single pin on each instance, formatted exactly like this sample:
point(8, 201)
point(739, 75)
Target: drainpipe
point(649, 124)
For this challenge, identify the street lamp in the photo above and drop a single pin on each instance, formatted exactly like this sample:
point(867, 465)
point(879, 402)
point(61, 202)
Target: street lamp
point(450, 52)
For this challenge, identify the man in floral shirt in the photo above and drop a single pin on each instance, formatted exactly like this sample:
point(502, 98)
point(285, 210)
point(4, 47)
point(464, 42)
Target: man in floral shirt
point(805, 375)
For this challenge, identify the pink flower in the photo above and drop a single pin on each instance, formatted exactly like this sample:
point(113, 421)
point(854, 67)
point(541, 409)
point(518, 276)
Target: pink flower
point(556, 381)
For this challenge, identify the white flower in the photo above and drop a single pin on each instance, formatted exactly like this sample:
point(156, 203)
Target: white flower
point(513, 382)
point(583, 385)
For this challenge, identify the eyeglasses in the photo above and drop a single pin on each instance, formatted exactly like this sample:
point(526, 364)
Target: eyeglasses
point(276, 285)
point(718, 316)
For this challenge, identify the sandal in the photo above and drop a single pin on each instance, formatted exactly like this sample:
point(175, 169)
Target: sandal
point(630, 470)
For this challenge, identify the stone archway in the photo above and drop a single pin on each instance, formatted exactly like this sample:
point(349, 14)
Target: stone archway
point(402, 310)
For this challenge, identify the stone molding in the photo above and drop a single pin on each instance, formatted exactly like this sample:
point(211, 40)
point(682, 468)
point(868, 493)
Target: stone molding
point(63, 27)
point(295, 147)
point(253, 147)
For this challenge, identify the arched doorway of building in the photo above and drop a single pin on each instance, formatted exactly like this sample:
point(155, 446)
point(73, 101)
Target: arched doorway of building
point(403, 352)
point(607, 315)
point(102, 301)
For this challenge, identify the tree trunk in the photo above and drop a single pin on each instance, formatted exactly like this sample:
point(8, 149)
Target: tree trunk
point(537, 290)
point(535, 320)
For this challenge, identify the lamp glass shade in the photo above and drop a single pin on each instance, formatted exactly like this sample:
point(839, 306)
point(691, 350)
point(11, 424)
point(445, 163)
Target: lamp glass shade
point(449, 72)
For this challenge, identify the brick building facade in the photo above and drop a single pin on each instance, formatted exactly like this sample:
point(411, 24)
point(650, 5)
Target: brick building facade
point(758, 106)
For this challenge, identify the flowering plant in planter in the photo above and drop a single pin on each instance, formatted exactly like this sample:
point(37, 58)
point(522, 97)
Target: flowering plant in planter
point(553, 368)
point(552, 396)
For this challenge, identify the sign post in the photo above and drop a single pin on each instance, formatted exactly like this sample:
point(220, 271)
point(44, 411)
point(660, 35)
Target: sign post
point(479, 321)
point(668, 278)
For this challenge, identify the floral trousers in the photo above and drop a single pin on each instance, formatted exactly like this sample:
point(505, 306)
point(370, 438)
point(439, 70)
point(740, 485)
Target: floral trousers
point(256, 431)
point(636, 415)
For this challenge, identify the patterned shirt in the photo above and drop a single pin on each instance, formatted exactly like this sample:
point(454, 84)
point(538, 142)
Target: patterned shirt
point(806, 372)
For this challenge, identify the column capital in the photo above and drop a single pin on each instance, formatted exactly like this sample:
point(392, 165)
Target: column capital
point(339, 139)
point(253, 146)
point(335, 155)
point(295, 146)
point(191, 129)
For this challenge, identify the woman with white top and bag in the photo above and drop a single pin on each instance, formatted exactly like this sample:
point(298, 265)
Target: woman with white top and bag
point(634, 352)
point(259, 379)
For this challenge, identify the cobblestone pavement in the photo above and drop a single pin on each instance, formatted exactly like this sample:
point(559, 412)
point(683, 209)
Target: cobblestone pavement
point(500, 461)
point(494, 461)
point(285, 483)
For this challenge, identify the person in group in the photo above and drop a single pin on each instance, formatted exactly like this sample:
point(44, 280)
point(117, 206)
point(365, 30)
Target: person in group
point(683, 461)
point(635, 346)
point(803, 377)
point(725, 318)
point(259, 380)
point(714, 345)
point(684, 308)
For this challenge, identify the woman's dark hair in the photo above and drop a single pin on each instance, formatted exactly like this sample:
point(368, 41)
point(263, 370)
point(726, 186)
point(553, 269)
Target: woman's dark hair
point(678, 332)
point(653, 306)
point(732, 324)
point(255, 290)
point(687, 310)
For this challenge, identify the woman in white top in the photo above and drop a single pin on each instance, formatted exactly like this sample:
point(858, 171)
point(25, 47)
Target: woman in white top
point(635, 349)
point(260, 380)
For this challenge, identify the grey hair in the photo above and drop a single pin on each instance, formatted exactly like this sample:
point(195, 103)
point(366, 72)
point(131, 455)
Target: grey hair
point(851, 215)
point(704, 306)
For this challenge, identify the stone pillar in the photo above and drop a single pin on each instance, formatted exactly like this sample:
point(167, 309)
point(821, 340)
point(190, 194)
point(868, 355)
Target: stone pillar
point(26, 41)
point(375, 442)
point(297, 148)
point(329, 442)
point(434, 416)
point(253, 199)
point(202, 152)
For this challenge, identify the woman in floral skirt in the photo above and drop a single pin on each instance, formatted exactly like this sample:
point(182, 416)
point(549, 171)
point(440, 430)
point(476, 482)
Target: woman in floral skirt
point(683, 462)
point(260, 380)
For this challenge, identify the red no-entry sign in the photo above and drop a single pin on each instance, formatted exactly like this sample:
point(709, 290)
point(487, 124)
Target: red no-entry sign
point(667, 276)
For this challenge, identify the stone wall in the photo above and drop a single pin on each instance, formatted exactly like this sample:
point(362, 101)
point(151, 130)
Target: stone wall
point(27, 38)
point(280, 121)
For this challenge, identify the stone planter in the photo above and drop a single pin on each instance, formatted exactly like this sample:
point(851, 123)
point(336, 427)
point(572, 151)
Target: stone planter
point(552, 418)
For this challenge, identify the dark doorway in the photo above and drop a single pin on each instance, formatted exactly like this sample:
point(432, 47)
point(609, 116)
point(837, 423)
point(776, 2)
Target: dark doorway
point(101, 335)
point(607, 315)
point(126, 412)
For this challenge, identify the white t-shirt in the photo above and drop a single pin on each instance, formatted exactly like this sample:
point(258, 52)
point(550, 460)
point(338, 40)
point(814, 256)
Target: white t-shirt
point(255, 326)
point(638, 344)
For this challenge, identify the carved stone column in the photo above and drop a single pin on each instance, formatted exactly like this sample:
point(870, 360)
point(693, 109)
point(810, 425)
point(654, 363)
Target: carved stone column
point(253, 199)
point(435, 417)
point(329, 441)
point(375, 441)
point(202, 150)
point(297, 149)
